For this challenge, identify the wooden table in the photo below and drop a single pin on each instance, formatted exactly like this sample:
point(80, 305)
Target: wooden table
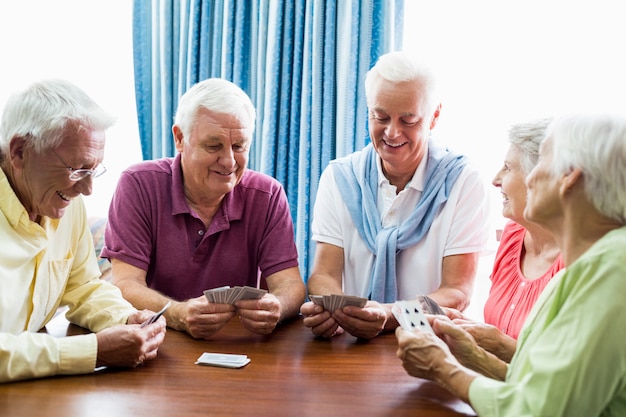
point(291, 373)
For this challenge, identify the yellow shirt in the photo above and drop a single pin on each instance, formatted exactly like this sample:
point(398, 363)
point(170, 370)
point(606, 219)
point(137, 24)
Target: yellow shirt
point(44, 266)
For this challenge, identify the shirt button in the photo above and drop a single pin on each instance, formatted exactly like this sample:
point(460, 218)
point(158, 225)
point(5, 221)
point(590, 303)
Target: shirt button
point(523, 284)
point(200, 232)
point(512, 306)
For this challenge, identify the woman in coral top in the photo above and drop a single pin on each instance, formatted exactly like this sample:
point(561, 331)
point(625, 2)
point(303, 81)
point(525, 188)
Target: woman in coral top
point(527, 257)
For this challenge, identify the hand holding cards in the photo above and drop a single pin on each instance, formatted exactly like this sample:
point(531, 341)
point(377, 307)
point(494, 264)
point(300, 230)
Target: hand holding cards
point(410, 315)
point(337, 301)
point(228, 295)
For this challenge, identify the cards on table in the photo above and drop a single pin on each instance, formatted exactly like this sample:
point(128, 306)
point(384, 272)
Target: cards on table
point(228, 295)
point(410, 315)
point(224, 360)
point(337, 301)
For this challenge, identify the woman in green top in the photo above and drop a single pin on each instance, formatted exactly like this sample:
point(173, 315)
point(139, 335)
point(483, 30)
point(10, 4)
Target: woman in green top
point(571, 356)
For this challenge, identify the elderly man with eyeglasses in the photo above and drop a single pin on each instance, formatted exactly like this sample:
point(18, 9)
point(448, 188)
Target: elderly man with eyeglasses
point(52, 139)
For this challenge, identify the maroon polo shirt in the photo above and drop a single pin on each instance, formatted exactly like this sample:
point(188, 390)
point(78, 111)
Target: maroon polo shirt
point(151, 227)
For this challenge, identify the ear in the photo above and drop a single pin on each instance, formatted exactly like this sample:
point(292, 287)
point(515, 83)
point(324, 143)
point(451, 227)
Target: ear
point(179, 138)
point(433, 121)
point(17, 148)
point(570, 180)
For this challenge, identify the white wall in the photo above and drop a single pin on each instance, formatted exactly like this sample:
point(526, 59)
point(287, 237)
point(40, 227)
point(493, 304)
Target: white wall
point(502, 62)
point(88, 42)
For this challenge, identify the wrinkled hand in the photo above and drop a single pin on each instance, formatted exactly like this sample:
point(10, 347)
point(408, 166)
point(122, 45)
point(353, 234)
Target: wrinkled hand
point(490, 338)
point(422, 353)
point(366, 322)
point(453, 313)
point(460, 343)
point(129, 345)
point(261, 315)
point(320, 321)
point(200, 318)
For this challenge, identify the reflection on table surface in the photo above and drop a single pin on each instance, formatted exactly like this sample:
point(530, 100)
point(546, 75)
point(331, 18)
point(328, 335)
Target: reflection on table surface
point(291, 373)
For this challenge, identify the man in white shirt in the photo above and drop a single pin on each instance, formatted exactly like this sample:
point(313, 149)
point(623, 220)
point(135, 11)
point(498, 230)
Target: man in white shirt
point(401, 218)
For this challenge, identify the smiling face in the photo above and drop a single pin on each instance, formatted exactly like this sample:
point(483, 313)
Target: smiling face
point(399, 126)
point(510, 180)
point(42, 181)
point(215, 155)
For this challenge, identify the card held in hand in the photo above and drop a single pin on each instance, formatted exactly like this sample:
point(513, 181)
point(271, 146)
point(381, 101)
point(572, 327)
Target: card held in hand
point(338, 301)
point(410, 315)
point(229, 295)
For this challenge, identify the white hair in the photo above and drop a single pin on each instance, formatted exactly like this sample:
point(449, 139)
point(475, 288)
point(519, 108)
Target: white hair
point(399, 67)
point(42, 112)
point(214, 94)
point(597, 146)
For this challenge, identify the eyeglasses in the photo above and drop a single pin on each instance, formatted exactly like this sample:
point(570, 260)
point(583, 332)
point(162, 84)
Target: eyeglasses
point(80, 174)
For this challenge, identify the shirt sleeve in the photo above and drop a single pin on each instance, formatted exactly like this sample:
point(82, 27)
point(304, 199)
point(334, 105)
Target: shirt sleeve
point(128, 235)
point(93, 303)
point(36, 355)
point(469, 228)
point(326, 225)
point(570, 359)
point(278, 248)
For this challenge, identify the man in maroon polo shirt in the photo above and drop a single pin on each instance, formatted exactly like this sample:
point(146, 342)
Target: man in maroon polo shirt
point(201, 220)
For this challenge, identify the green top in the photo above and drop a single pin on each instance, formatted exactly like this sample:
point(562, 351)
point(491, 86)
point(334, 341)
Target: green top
point(571, 353)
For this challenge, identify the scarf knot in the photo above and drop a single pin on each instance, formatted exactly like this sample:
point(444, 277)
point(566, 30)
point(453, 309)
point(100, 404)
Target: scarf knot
point(357, 178)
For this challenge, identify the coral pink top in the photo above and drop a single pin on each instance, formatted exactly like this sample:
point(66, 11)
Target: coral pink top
point(512, 295)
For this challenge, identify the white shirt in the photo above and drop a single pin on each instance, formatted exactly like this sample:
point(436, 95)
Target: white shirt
point(460, 227)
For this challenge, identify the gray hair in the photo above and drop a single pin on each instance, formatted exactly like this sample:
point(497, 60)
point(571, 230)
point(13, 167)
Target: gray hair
point(214, 94)
point(44, 110)
point(597, 146)
point(398, 67)
point(527, 137)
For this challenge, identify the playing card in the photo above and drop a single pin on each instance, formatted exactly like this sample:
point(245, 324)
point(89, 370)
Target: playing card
point(337, 301)
point(233, 295)
point(353, 300)
point(430, 306)
point(327, 299)
point(225, 360)
point(317, 299)
point(228, 295)
point(156, 315)
point(410, 315)
point(250, 293)
point(215, 295)
point(396, 309)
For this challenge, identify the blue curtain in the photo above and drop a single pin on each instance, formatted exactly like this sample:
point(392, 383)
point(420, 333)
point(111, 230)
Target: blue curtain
point(301, 61)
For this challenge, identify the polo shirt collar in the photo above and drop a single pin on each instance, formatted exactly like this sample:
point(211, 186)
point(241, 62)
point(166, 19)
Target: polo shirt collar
point(418, 180)
point(179, 203)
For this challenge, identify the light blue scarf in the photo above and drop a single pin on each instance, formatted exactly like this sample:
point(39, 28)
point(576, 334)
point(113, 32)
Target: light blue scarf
point(357, 179)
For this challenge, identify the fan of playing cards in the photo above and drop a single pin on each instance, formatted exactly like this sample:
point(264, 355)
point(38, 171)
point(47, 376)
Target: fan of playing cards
point(228, 295)
point(337, 301)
